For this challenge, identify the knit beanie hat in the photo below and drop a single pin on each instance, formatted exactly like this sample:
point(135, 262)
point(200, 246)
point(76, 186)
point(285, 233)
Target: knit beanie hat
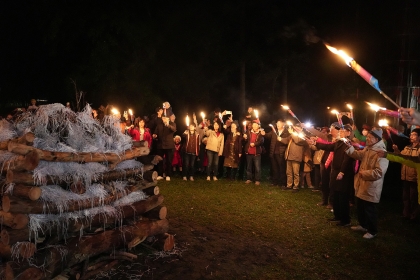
point(377, 132)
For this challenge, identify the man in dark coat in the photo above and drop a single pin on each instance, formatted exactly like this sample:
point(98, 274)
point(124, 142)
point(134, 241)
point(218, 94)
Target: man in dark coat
point(279, 139)
point(342, 176)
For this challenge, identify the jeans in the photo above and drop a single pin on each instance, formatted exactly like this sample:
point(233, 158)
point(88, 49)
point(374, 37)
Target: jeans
point(213, 158)
point(410, 200)
point(189, 164)
point(253, 161)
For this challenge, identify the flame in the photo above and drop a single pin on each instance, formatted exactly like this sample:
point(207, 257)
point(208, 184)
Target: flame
point(289, 123)
point(383, 122)
point(307, 124)
point(115, 111)
point(350, 107)
point(270, 125)
point(256, 113)
point(341, 53)
point(244, 123)
point(285, 107)
point(375, 107)
point(202, 115)
point(334, 111)
point(187, 120)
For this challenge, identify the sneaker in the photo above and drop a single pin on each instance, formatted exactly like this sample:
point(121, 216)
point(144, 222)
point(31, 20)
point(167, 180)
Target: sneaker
point(368, 235)
point(168, 178)
point(159, 178)
point(311, 187)
point(214, 178)
point(184, 178)
point(257, 183)
point(295, 190)
point(286, 188)
point(208, 178)
point(248, 181)
point(191, 178)
point(358, 228)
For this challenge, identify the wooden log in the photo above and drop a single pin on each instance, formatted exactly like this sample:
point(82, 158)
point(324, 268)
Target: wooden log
point(164, 242)
point(13, 220)
point(26, 178)
point(78, 157)
point(32, 273)
point(24, 250)
point(11, 236)
point(152, 190)
point(27, 139)
point(150, 175)
point(29, 192)
point(22, 163)
point(157, 213)
point(77, 187)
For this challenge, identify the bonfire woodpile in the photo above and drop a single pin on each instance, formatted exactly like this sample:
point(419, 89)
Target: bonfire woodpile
point(76, 195)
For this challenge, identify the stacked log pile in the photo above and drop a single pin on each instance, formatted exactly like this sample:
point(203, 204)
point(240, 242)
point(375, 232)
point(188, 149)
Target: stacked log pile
point(74, 196)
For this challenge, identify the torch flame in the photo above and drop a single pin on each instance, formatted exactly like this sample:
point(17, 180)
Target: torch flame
point(350, 107)
point(375, 107)
point(244, 123)
point(341, 53)
point(383, 122)
point(187, 120)
point(285, 107)
point(130, 112)
point(256, 113)
point(334, 111)
point(115, 111)
point(289, 123)
point(202, 115)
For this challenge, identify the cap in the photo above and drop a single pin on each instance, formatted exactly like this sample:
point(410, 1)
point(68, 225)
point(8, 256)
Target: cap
point(377, 132)
point(348, 127)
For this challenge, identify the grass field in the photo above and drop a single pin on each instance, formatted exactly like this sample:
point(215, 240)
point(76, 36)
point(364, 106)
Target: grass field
point(307, 245)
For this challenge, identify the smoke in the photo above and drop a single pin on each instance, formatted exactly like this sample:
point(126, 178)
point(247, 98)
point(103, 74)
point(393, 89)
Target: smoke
point(303, 29)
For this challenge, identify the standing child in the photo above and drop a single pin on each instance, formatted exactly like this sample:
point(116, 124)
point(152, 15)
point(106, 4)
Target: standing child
point(177, 159)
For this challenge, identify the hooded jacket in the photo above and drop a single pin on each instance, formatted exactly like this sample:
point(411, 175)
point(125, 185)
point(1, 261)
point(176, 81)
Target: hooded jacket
point(369, 180)
point(409, 173)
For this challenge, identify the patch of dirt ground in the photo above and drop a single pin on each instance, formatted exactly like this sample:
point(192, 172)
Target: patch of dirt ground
point(201, 253)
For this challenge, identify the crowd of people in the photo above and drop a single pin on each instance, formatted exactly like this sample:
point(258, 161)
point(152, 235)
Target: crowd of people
point(346, 165)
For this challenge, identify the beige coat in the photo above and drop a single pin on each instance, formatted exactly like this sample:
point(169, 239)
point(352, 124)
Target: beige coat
point(215, 143)
point(369, 180)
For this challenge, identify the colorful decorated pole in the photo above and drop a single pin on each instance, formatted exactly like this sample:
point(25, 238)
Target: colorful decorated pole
point(340, 121)
point(362, 72)
point(384, 123)
point(285, 107)
point(351, 111)
point(382, 110)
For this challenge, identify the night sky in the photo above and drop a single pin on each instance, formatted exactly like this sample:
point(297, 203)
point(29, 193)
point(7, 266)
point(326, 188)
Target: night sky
point(138, 54)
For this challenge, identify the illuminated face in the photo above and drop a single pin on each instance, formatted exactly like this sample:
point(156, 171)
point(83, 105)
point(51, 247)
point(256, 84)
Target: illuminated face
point(365, 132)
point(216, 126)
point(371, 140)
point(414, 137)
point(344, 133)
point(250, 110)
point(233, 127)
point(172, 118)
point(141, 124)
point(280, 125)
point(177, 140)
point(255, 126)
point(191, 128)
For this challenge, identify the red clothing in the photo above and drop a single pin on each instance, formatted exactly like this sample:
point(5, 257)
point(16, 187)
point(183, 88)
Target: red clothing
point(177, 160)
point(252, 150)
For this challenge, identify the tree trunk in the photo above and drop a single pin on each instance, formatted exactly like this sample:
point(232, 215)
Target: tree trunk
point(164, 242)
point(157, 213)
